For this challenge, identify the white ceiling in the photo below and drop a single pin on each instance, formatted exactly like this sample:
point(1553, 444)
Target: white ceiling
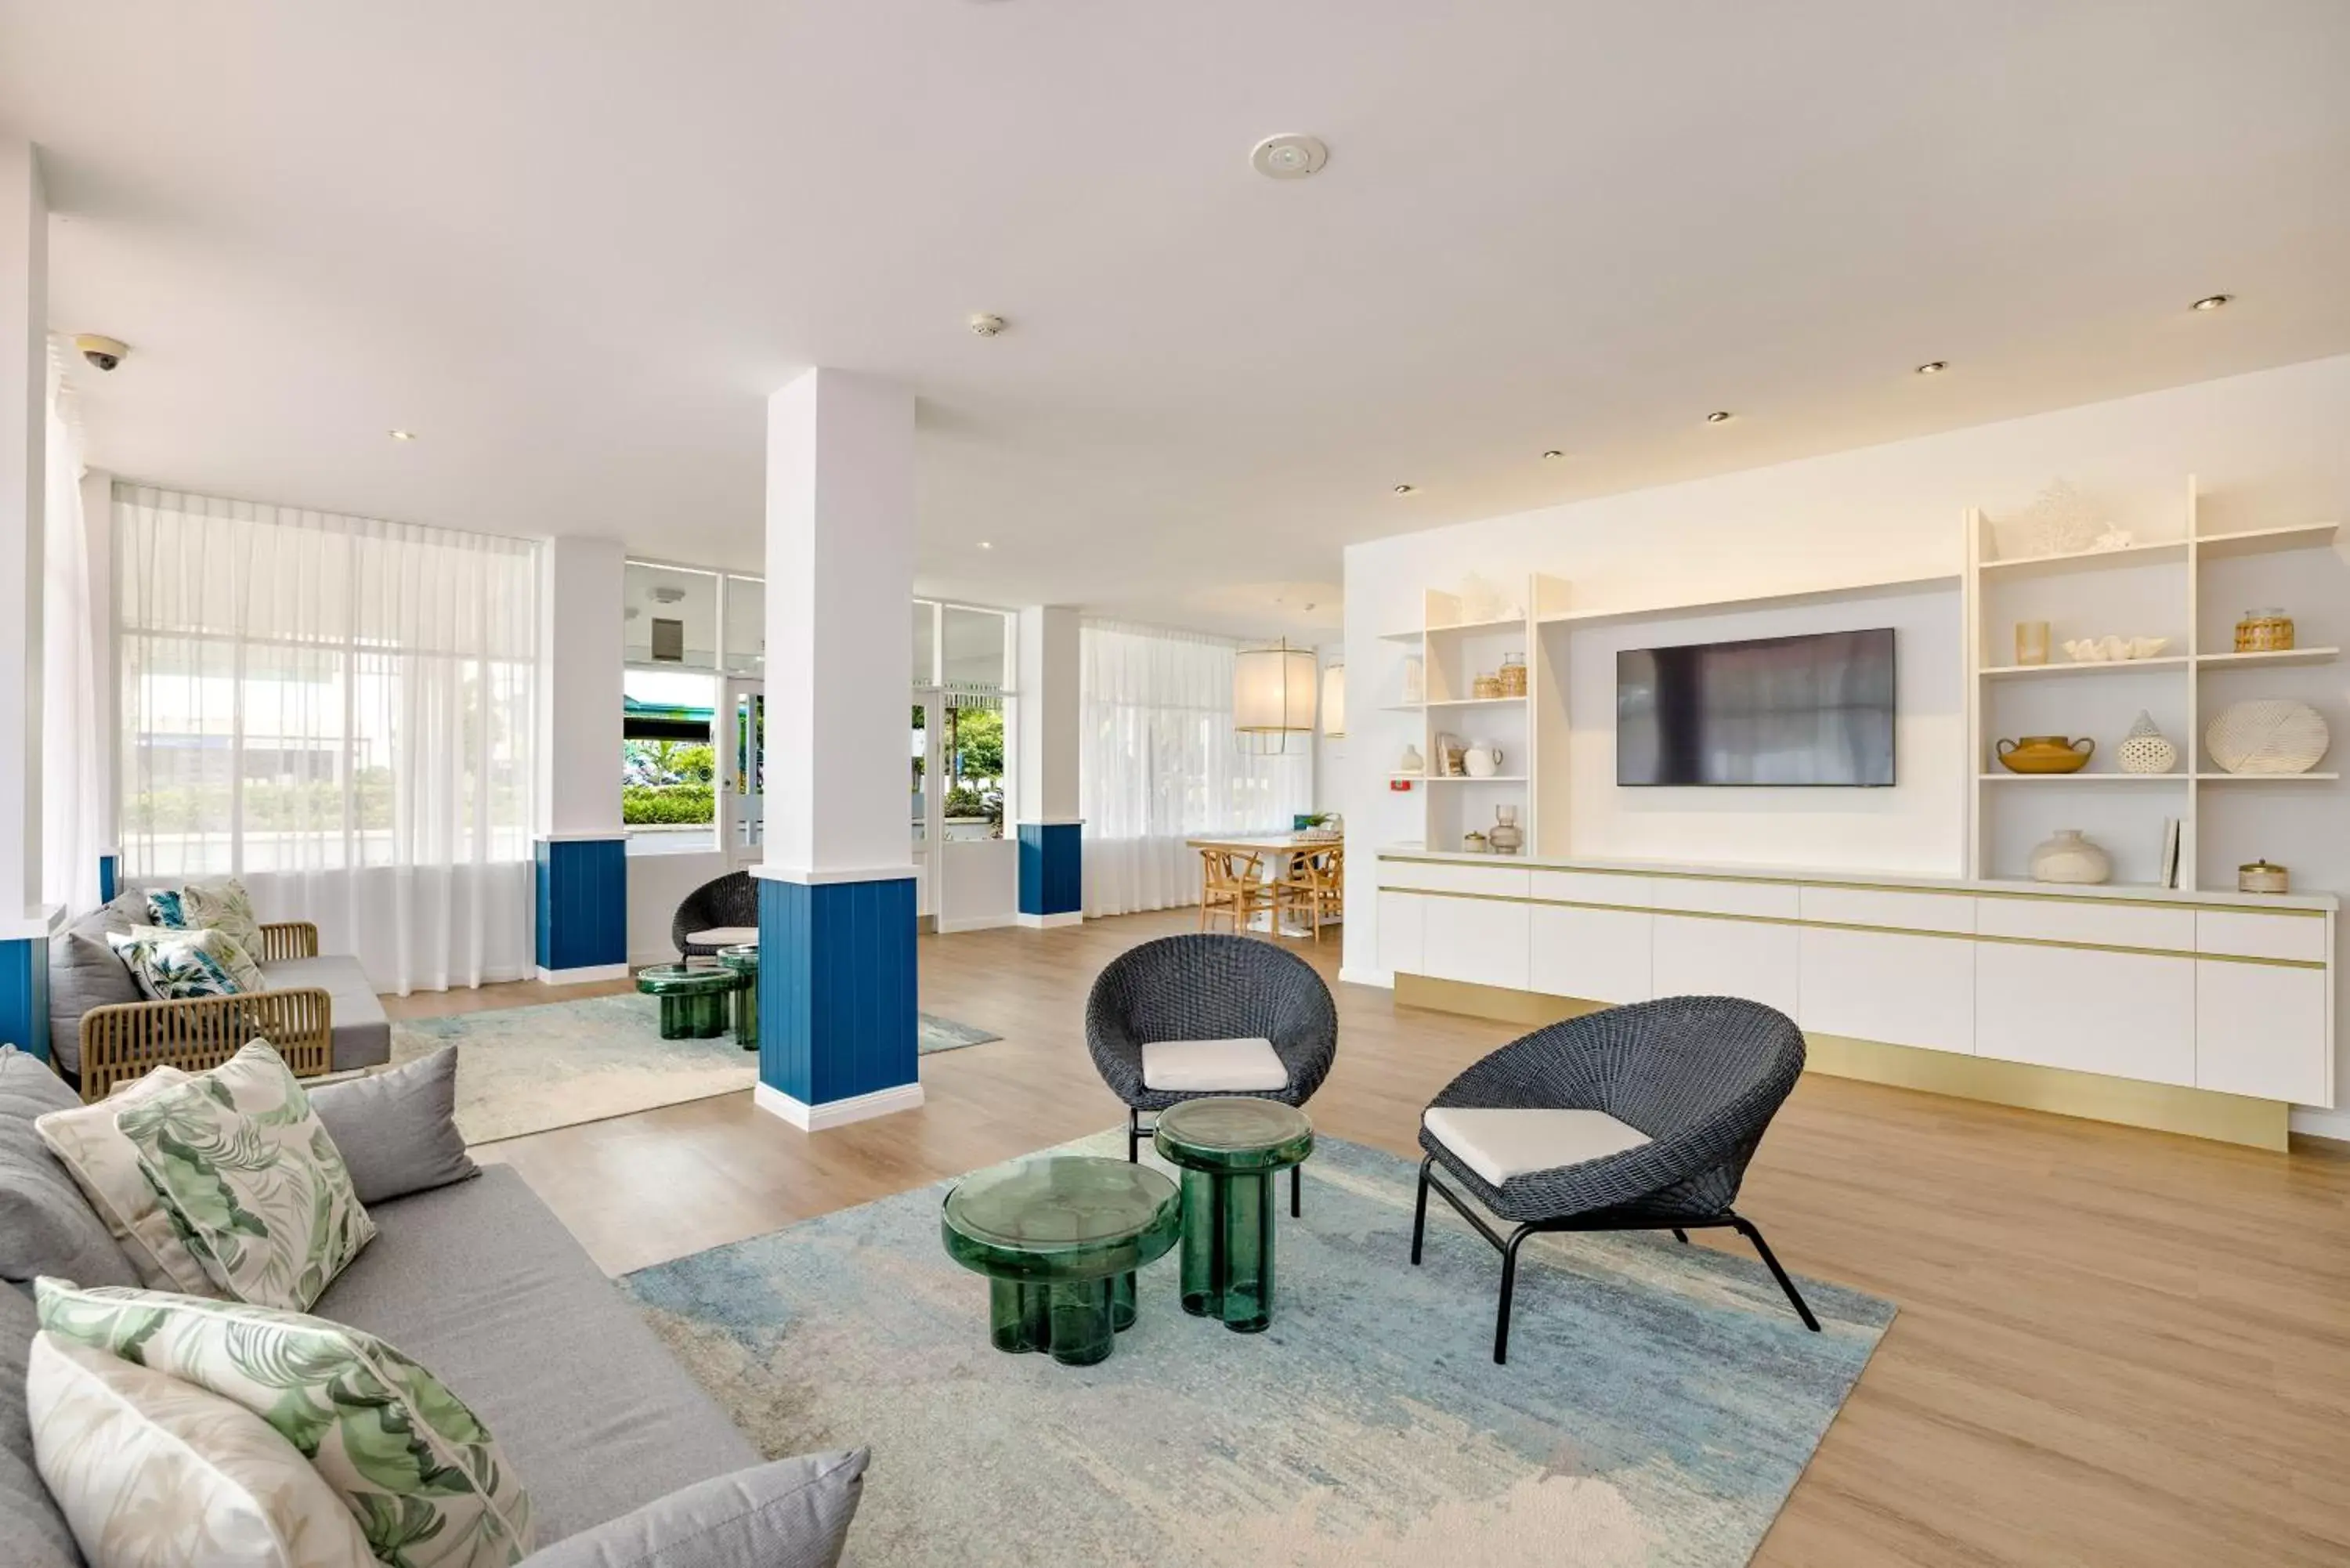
point(574, 245)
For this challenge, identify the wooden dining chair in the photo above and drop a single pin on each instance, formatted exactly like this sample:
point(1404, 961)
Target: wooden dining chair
point(1233, 887)
point(1315, 887)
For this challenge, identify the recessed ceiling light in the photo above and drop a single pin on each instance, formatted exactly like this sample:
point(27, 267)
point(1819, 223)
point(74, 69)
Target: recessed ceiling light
point(1405, 489)
point(2212, 301)
point(1289, 156)
point(987, 543)
point(1933, 368)
point(1554, 453)
point(1719, 417)
point(404, 435)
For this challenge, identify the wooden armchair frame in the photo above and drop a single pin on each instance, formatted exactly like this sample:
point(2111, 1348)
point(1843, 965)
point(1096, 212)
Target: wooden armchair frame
point(128, 1039)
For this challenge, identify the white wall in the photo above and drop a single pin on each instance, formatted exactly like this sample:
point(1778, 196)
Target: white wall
point(658, 883)
point(579, 670)
point(2268, 450)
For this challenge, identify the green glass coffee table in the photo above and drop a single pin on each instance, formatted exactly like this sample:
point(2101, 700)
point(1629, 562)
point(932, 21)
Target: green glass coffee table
point(744, 962)
point(1059, 1239)
point(692, 1001)
point(1230, 1149)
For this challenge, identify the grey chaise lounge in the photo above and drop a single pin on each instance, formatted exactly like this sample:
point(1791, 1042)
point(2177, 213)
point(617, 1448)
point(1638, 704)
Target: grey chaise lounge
point(625, 1458)
point(1235, 995)
point(1634, 1118)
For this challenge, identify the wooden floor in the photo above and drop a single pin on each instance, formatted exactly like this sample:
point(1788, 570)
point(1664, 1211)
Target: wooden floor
point(2114, 1347)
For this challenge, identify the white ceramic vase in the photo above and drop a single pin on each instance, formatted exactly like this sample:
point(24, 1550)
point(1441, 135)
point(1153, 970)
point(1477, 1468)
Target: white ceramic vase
point(2146, 750)
point(1481, 761)
point(2066, 856)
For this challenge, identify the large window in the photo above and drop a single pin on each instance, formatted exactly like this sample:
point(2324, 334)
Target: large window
point(963, 661)
point(310, 700)
point(1158, 761)
point(683, 630)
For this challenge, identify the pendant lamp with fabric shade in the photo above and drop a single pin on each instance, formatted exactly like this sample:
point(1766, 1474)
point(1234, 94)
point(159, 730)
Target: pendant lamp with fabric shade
point(1334, 702)
point(1272, 696)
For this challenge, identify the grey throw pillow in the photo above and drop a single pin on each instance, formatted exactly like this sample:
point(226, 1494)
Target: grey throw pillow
point(46, 1226)
point(84, 973)
point(33, 1534)
point(398, 1130)
point(792, 1513)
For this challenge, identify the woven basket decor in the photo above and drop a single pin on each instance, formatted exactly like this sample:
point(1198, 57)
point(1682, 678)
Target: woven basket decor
point(2270, 736)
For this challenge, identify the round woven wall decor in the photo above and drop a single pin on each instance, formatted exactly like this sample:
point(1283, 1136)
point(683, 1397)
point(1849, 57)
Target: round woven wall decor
point(2270, 736)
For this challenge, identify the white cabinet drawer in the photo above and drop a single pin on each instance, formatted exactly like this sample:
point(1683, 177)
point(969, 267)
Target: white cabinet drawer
point(2128, 1015)
point(2251, 934)
point(1479, 940)
point(1889, 909)
point(1597, 955)
point(1402, 933)
point(2261, 1030)
point(1444, 877)
point(1700, 897)
point(1895, 989)
point(1595, 888)
point(2087, 920)
point(1697, 957)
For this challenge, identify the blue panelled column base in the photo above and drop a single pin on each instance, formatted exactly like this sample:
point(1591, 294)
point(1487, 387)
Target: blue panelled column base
point(837, 1031)
point(109, 875)
point(1052, 873)
point(25, 995)
point(583, 909)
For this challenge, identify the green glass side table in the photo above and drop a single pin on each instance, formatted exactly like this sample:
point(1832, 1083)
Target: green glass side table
point(1059, 1239)
point(692, 1001)
point(1230, 1149)
point(743, 961)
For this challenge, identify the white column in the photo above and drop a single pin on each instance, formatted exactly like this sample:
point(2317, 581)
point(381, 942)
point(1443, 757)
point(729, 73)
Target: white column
point(583, 888)
point(25, 923)
point(98, 529)
point(837, 984)
point(1052, 886)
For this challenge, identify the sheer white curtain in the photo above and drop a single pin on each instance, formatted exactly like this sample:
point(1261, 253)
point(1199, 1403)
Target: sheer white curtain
point(340, 711)
point(1158, 762)
point(74, 830)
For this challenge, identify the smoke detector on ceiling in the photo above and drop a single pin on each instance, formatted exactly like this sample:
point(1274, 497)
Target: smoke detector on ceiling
point(986, 325)
point(1289, 156)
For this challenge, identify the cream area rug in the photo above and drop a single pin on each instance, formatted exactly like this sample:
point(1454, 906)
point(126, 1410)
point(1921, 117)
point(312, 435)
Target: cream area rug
point(529, 1069)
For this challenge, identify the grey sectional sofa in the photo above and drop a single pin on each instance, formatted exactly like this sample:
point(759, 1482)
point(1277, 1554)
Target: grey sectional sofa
point(628, 1462)
point(342, 1029)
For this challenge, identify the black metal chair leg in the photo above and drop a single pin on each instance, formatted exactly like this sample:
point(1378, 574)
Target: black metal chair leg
point(1680, 1235)
point(1508, 1288)
point(1747, 1229)
point(1133, 1136)
point(1296, 1199)
point(1419, 1209)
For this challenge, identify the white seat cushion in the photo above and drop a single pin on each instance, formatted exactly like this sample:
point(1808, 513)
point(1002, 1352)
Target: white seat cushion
point(1198, 1067)
point(725, 937)
point(1499, 1144)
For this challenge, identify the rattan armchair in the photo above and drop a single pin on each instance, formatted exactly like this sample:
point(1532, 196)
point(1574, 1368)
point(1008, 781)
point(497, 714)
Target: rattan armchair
point(127, 1039)
point(730, 900)
point(1699, 1076)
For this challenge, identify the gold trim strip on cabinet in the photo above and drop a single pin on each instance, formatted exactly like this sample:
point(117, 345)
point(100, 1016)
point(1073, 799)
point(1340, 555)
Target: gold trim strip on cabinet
point(1871, 887)
point(1849, 926)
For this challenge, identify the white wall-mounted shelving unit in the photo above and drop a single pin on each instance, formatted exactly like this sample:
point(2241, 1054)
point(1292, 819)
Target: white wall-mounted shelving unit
point(2190, 588)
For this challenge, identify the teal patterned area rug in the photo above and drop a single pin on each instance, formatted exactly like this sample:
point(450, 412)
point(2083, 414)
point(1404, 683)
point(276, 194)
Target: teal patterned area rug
point(1660, 1403)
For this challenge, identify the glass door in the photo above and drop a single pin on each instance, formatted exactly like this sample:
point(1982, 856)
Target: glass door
point(927, 796)
point(743, 739)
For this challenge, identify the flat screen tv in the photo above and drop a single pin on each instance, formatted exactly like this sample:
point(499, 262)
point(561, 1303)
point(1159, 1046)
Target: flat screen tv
point(1815, 710)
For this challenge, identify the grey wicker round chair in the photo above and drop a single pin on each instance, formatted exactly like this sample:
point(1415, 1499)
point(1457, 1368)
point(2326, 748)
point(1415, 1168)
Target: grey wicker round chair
point(1692, 1083)
point(730, 902)
point(1209, 987)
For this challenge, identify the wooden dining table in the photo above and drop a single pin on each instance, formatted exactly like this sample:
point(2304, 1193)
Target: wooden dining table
point(1277, 849)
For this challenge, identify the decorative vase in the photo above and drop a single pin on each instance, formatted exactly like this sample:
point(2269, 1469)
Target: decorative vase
point(2069, 857)
point(2145, 750)
point(2044, 754)
point(2032, 642)
point(1506, 838)
point(2270, 736)
point(1411, 762)
point(1481, 761)
point(1513, 675)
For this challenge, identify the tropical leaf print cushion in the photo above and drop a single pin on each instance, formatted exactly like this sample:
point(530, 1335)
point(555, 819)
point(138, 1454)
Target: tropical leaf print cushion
point(105, 1166)
point(153, 1469)
point(172, 966)
point(217, 944)
point(414, 1465)
point(244, 1165)
point(218, 904)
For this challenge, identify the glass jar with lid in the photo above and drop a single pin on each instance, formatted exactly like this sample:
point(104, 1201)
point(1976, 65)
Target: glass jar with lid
point(2265, 631)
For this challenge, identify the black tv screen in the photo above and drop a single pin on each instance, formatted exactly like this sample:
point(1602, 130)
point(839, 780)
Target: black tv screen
point(1815, 710)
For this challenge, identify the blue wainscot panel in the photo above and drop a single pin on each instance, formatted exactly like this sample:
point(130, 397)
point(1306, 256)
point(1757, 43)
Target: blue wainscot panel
point(583, 903)
point(1051, 867)
point(25, 995)
point(836, 988)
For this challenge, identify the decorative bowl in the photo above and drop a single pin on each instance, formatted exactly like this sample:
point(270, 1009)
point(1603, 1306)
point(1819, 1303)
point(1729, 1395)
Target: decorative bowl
point(2044, 754)
point(2271, 735)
